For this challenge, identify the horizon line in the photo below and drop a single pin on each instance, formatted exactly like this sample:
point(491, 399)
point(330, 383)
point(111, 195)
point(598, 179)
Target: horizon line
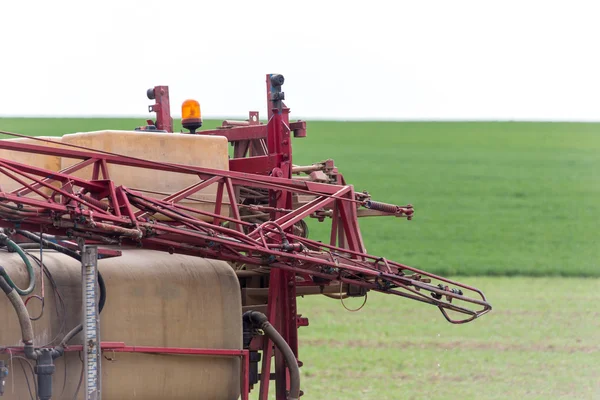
point(307, 119)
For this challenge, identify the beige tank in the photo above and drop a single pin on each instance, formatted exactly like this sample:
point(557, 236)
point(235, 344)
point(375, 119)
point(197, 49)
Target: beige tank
point(36, 160)
point(195, 150)
point(153, 299)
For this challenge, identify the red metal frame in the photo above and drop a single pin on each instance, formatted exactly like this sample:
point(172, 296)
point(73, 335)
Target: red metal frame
point(161, 107)
point(97, 209)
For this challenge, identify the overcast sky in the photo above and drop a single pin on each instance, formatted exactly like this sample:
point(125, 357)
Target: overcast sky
point(525, 60)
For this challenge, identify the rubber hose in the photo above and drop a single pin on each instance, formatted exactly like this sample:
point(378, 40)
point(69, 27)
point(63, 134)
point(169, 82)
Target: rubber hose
point(70, 335)
point(20, 309)
point(21, 253)
point(70, 253)
point(261, 320)
point(29, 246)
point(73, 254)
point(50, 245)
point(73, 332)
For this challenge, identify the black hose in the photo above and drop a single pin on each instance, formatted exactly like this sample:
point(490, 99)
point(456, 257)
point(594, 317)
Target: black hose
point(73, 332)
point(261, 321)
point(102, 293)
point(71, 253)
point(49, 244)
point(70, 335)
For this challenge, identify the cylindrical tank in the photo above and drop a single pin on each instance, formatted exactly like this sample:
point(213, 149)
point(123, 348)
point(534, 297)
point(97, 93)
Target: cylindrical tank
point(208, 151)
point(153, 299)
point(51, 163)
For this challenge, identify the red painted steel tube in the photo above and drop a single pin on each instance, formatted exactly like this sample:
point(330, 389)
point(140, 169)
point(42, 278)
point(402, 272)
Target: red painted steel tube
point(238, 178)
point(69, 170)
point(162, 108)
point(241, 132)
point(254, 165)
point(363, 268)
point(245, 389)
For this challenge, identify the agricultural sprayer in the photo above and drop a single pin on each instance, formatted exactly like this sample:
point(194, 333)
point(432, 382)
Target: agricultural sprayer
point(160, 265)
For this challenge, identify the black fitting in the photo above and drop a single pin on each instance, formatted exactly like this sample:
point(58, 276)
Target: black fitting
point(446, 288)
point(150, 94)
point(253, 372)
point(251, 320)
point(44, 369)
point(30, 351)
point(3, 375)
point(255, 319)
point(277, 80)
point(247, 334)
point(278, 96)
point(259, 320)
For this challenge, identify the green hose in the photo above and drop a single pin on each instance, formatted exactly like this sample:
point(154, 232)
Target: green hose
point(9, 243)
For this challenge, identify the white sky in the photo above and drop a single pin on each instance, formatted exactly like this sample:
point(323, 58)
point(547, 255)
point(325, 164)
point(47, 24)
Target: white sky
point(342, 59)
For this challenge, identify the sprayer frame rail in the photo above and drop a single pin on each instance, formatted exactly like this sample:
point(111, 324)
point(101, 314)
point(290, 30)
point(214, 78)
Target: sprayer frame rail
point(96, 209)
point(263, 245)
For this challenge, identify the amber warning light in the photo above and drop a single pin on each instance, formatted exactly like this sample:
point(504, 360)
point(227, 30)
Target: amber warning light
point(191, 118)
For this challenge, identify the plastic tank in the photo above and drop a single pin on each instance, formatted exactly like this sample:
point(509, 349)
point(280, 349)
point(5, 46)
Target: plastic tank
point(195, 150)
point(153, 299)
point(36, 160)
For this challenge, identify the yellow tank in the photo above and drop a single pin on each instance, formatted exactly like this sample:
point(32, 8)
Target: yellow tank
point(36, 160)
point(153, 299)
point(194, 150)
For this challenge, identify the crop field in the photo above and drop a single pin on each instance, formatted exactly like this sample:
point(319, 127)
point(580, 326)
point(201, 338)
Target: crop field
point(511, 208)
point(541, 341)
point(490, 198)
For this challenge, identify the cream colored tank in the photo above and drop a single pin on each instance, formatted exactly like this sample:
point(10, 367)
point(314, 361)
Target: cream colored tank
point(194, 150)
point(153, 299)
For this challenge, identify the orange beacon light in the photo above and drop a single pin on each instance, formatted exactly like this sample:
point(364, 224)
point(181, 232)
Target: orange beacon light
point(191, 118)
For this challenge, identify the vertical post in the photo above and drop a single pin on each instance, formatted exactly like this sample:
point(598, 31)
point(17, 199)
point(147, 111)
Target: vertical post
point(161, 107)
point(91, 324)
point(282, 284)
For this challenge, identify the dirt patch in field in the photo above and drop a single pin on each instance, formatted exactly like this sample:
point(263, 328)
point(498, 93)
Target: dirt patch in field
point(495, 346)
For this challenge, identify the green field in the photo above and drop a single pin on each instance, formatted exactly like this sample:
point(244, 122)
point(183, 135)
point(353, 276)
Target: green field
point(493, 201)
point(490, 198)
point(541, 341)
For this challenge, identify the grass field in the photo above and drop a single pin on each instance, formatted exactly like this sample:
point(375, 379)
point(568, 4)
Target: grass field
point(493, 201)
point(394, 349)
point(490, 198)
